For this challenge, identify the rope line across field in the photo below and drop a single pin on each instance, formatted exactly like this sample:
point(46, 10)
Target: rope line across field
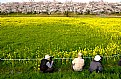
point(57, 58)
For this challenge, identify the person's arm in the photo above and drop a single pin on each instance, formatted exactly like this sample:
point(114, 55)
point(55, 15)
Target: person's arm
point(73, 62)
point(49, 65)
point(100, 64)
point(100, 67)
point(83, 62)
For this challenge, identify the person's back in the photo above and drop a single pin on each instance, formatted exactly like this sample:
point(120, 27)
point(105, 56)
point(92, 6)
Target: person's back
point(46, 65)
point(43, 66)
point(95, 65)
point(78, 63)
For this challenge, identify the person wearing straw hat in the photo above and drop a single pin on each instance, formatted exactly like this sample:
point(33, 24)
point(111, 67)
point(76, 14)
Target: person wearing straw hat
point(46, 65)
point(78, 63)
point(95, 65)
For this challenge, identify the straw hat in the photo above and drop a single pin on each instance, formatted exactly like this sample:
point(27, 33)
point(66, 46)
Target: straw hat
point(47, 56)
point(97, 58)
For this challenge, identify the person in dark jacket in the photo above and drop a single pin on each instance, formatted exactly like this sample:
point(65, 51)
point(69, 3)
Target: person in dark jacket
point(46, 65)
point(95, 65)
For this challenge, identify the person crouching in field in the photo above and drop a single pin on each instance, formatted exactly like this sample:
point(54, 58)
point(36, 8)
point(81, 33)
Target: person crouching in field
point(46, 65)
point(95, 65)
point(78, 63)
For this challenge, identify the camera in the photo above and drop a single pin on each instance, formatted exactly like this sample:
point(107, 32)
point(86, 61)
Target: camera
point(51, 58)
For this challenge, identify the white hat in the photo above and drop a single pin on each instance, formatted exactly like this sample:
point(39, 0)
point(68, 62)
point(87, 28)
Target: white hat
point(47, 56)
point(97, 58)
point(79, 54)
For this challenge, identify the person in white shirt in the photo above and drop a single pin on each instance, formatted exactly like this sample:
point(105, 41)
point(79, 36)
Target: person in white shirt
point(78, 63)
